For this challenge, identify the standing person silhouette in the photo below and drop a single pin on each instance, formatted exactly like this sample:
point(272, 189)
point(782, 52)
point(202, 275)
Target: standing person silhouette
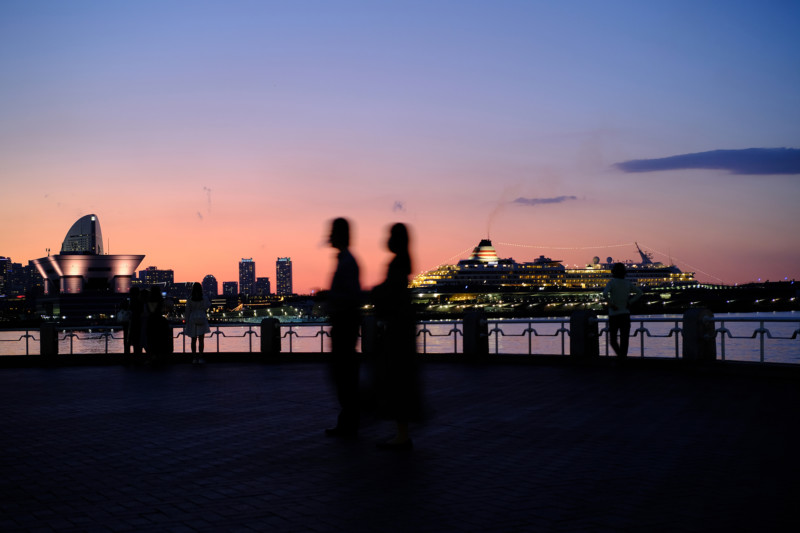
point(344, 301)
point(620, 293)
point(158, 331)
point(196, 321)
point(398, 386)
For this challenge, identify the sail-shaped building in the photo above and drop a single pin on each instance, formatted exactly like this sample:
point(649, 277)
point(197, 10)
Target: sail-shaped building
point(82, 266)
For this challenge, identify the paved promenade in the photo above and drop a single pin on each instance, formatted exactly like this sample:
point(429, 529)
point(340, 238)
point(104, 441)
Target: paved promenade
point(240, 447)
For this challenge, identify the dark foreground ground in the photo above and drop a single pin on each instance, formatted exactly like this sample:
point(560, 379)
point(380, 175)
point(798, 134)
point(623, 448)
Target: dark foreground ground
point(240, 447)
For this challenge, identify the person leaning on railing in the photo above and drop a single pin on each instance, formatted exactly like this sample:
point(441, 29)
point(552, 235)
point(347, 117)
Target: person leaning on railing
point(620, 293)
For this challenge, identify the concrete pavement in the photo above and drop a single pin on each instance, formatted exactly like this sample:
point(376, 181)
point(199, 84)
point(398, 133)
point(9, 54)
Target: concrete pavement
point(240, 447)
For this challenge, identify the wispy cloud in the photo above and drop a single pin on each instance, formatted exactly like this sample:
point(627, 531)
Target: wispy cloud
point(747, 161)
point(540, 201)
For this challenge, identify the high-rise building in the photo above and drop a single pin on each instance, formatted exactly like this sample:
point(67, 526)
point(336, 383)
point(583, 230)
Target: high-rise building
point(210, 286)
point(153, 276)
point(283, 273)
point(32, 281)
point(15, 280)
point(247, 276)
point(230, 288)
point(180, 291)
point(263, 287)
point(5, 274)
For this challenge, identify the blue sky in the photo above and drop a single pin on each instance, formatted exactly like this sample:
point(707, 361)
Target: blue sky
point(226, 120)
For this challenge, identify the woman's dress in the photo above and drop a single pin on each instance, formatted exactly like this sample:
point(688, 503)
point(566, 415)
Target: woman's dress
point(196, 321)
point(398, 389)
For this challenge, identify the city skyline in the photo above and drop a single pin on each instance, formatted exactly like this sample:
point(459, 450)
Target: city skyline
point(204, 133)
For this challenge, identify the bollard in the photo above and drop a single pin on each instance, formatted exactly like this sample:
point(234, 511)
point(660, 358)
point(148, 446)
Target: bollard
point(699, 342)
point(476, 335)
point(584, 339)
point(48, 340)
point(270, 336)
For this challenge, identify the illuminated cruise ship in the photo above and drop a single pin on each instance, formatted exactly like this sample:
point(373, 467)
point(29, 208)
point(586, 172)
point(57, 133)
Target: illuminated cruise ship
point(485, 271)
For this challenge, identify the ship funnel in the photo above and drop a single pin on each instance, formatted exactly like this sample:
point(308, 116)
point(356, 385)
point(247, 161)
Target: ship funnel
point(484, 252)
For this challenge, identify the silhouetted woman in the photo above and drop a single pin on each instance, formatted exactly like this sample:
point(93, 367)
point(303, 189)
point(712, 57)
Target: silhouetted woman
point(196, 320)
point(398, 387)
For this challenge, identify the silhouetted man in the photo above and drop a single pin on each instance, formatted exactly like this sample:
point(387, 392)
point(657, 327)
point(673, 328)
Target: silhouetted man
point(620, 293)
point(344, 301)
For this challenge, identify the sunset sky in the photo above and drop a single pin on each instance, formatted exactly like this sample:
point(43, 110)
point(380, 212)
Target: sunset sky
point(205, 132)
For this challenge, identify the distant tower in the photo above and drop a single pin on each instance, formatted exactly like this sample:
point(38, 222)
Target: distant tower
point(5, 274)
point(210, 286)
point(263, 287)
point(32, 280)
point(230, 288)
point(154, 276)
point(247, 276)
point(283, 274)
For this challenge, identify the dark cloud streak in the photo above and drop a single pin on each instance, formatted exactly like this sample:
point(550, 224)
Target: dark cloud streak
point(747, 161)
point(540, 201)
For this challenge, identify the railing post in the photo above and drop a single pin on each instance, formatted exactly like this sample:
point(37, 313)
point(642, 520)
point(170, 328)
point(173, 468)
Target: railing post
point(476, 335)
point(699, 343)
point(48, 340)
point(642, 330)
point(584, 339)
point(530, 338)
point(424, 332)
point(270, 336)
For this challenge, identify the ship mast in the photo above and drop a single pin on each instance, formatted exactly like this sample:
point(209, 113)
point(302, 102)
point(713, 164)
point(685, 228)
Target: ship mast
point(646, 258)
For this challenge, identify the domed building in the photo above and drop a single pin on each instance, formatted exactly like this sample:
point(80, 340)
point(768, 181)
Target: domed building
point(83, 280)
point(83, 266)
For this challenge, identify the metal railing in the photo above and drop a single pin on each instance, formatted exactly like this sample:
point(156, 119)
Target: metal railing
point(291, 333)
point(517, 336)
point(216, 334)
point(761, 332)
point(26, 335)
point(455, 329)
point(644, 332)
point(529, 332)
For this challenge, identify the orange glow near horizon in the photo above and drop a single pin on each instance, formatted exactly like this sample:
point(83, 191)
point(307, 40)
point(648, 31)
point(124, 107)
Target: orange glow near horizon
point(193, 251)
